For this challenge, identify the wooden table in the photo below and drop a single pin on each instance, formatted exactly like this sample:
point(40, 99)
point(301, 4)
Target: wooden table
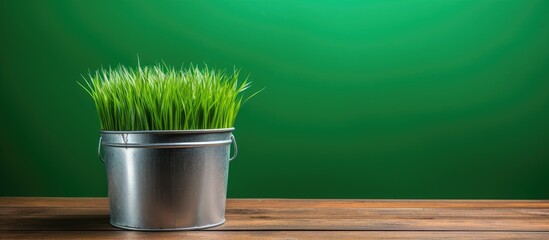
point(88, 218)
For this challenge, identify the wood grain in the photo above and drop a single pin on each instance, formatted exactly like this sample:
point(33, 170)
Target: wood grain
point(290, 203)
point(245, 235)
point(67, 218)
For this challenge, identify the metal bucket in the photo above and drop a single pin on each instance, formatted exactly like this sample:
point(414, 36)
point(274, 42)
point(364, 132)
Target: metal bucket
point(167, 180)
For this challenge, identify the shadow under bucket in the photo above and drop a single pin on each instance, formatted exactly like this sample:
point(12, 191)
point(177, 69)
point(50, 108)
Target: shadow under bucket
point(167, 180)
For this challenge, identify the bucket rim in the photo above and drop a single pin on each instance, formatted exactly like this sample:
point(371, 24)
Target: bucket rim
point(214, 130)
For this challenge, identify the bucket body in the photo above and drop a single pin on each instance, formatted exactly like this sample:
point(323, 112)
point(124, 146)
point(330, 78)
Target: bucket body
point(167, 180)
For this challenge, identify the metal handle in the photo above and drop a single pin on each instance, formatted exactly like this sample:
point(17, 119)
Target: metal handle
point(233, 141)
point(169, 145)
point(235, 148)
point(99, 150)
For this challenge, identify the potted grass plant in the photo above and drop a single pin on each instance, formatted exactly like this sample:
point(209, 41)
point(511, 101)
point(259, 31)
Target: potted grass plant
point(165, 141)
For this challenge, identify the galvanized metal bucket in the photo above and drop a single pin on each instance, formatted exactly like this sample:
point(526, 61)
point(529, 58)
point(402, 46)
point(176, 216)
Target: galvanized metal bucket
point(167, 180)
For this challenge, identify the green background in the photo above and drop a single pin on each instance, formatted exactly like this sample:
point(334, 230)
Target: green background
point(362, 99)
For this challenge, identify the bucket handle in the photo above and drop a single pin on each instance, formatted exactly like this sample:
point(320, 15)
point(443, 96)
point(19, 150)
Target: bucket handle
point(235, 148)
point(99, 149)
point(233, 141)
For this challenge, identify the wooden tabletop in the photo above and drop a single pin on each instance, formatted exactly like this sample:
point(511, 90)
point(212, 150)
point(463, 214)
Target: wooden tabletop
point(88, 218)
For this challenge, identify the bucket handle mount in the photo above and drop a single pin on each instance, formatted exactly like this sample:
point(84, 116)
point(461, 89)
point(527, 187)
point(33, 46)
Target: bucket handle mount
point(99, 149)
point(235, 148)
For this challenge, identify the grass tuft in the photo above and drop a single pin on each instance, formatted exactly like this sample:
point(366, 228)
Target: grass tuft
point(164, 98)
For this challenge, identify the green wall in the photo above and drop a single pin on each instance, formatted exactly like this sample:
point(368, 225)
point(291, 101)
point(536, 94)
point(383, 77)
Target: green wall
point(363, 99)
